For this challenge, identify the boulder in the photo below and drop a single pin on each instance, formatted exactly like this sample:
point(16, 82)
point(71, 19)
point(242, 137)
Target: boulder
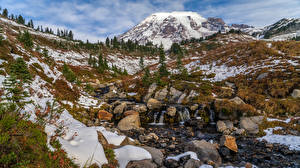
point(141, 108)
point(104, 115)
point(157, 155)
point(296, 93)
point(229, 142)
point(141, 164)
point(174, 94)
point(181, 98)
point(154, 104)
point(151, 89)
point(129, 122)
point(250, 124)
point(171, 111)
point(262, 76)
point(192, 163)
point(120, 108)
point(221, 126)
point(205, 151)
point(237, 100)
point(162, 94)
point(229, 124)
point(131, 112)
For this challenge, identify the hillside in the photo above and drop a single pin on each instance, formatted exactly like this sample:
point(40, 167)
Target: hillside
point(225, 100)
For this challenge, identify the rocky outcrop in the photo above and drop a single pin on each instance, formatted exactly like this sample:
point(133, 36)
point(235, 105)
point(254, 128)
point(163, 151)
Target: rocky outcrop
point(206, 151)
point(141, 108)
point(129, 122)
point(162, 94)
point(174, 95)
point(192, 163)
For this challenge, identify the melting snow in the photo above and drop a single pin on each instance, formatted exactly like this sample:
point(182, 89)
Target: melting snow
point(193, 155)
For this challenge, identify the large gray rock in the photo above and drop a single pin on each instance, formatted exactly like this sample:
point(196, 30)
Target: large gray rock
point(174, 94)
point(141, 164)
point(205, 151)
point(192, 163)
point(237, 100)
point(296, 93)
point(154, 104)
point(161, 94)
point(156, 154)
point(129, 122)
point(251, 124)
point(120, 108)
point(171, 111)
point(151, 89)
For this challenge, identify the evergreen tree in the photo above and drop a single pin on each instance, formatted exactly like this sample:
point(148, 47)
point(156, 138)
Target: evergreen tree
point(146, 77)
point(58, 32)
point(141, 63)
point(31, 23)
point(162, 65)
point(20, 70)
point(70, 35)
point(100, 61)
point(107, 42)
point(179, 62)
point(5, 13)
point(26, 39)
point(90, 61)
point(21, 20)
point(68, 73)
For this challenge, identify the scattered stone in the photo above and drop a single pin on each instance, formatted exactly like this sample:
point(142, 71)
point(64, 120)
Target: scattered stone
point(141, 164)
point(154, 104)
point(239, 131)
point(229, 142)
point(192, 163)
point(156, 154)
point(129, 122)
point(174, 94)
point(229, 124)
point(104, 115)
point(120, 108)
point(205, 151)
point(148, 137)
point(296, 93)
point(171, 111)
point(141, 108)
point(248, 165)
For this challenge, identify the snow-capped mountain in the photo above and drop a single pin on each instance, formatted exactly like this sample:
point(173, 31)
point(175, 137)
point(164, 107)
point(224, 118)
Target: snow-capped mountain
point(167, 28)
point(283, 29)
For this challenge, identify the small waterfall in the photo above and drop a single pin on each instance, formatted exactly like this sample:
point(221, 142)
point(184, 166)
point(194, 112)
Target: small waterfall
point(184, 115)
point(161, 118)
point(197, 115)
point(212, 117)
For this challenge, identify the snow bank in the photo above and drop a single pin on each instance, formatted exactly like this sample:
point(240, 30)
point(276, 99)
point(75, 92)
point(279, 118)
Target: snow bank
point(293, 142)
point(129, 153)
point(112, 138)
point(193, 155)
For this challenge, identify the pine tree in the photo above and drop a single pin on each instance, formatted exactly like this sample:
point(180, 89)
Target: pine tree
point(31, 23)
point(162, 67)
point(58, 32)
point(5, 13)
point(141, 63)
point(179, 62)
point(26, 39)
point(68, 73)
point(90, 61)
point(107, 42)
point(21, 20)
point(70, 35)
point(20, 70)
point(146, 77)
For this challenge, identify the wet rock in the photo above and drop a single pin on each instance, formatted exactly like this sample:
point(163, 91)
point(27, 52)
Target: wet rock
point(237, 100)
point(141, 108)
point(128, 141)
point(150, 92)
point(141, 164)
point(129, 122)
point(171, 111)
point(296, 93)
point(150, 136)
point(229, 142)
point(120, 108)
point(205, 151)
point(174, 94)
point(104, 115)
point(131, 112)
point(157, 155)
point(161, 95)
point(192, 163)
point(154, 104)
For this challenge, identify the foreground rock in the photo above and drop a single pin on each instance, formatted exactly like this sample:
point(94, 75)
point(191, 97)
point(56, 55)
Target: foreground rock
point(154, 104)
point(129, 122)
point(229, 142)
point(141, 164)
point(104, 115)
point(206, 151)
point(296, 93)
point(156, 154)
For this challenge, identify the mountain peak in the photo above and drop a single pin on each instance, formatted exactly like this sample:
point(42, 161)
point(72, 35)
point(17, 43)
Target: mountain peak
point(167, 28)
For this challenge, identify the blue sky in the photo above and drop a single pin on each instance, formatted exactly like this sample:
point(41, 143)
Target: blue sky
point(97, 19)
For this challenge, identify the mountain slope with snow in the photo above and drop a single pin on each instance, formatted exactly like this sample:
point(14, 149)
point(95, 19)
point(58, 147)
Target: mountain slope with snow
point(167, 28)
